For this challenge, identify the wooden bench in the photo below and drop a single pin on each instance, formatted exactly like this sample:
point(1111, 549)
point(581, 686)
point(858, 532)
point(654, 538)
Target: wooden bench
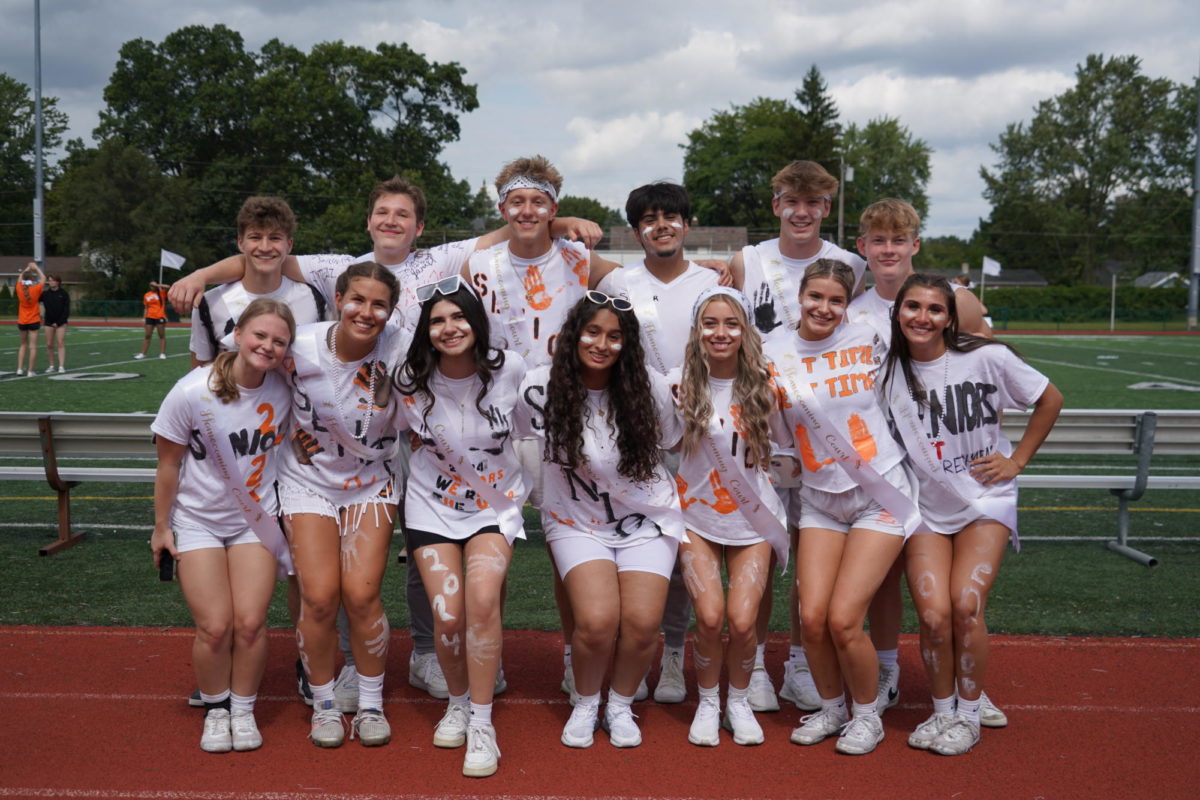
point(1137, 435)
point(48, 441)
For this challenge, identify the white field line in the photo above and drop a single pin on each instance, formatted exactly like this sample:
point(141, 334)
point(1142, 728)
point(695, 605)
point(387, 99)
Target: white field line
point(1094, 368)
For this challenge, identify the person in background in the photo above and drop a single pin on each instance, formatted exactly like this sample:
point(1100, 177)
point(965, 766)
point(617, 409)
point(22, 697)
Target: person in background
point(155, 302)
point(57, 304)
point(29, 317)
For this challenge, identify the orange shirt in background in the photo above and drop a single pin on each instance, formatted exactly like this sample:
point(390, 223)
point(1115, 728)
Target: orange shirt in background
point(153, 301)
point(27, 303)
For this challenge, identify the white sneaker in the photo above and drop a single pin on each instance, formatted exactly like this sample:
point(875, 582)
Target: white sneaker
point(483, 754)
point(761, 692)
point(671, 688)
point(819, 726)
point(217, 736)
point(62, 369)
point(798, 687)
point(245, 732)
point(888, 693)
point(20, 373)
point(451, 731)
point(581, 725)
point(328, 725)
point(925, 733)
point(739, 718)
point(956, 738)
point(706, 724)
point(989, 715)
point(425, 673)
point(622, 730)
point(371, 727)
point(140, 356)
point(860, 736)
point(501, 685)
point(162, 355)
point(50, 369)
point(345, 690)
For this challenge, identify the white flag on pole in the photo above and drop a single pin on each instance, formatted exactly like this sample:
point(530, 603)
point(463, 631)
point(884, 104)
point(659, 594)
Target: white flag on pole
point(171, 260)
point(991, 266)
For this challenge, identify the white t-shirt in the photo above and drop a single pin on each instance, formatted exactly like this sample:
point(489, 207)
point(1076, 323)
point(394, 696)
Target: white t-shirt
point(438, 499)
point(709, 509)
point(869, 306)
point(225, 304)
point(421, 267)
point(594, 499)
point(664, 310)
point(317, 461)
point(841, 371)
point(255, 423)
point(966, 393)
point(771, 283)
point(527, 300)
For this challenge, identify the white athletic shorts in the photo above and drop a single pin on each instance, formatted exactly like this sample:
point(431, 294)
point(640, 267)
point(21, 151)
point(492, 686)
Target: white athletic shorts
point(655, 555)
point(199, 539)
point(854, 508)
point(299, 500)
point(529, 453)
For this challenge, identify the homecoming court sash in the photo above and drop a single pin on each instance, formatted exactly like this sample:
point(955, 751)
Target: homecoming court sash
point(216, 437)
point(970, 492)
point(860, 471)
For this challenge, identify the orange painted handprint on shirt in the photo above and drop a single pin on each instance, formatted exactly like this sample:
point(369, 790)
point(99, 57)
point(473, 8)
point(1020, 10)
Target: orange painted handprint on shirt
point(535, 289)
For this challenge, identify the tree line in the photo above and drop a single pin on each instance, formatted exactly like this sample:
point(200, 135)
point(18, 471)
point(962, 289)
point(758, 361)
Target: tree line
point(1101, 174)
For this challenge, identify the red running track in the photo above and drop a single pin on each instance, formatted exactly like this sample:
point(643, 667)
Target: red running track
point(100, 713)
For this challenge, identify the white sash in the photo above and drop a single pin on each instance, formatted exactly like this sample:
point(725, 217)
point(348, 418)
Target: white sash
point(509, 306)
point(903, 408)
point(306, 354)
point(641, 294)
point(861, 472)
point(204, 410)
point(776, 277)
point(742, 485)
point(507, 509)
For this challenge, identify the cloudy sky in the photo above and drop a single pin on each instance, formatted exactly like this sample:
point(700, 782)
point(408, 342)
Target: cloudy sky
point(609, 90)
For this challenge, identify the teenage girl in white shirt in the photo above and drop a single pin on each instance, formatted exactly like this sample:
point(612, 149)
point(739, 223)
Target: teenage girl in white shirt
point(458, 395)
point(730, 415)
point(226, 571)
point(610, 509)
point(946, 390)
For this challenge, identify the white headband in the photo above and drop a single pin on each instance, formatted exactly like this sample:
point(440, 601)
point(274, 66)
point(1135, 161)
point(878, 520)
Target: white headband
point(715, 291)
point(526, 182)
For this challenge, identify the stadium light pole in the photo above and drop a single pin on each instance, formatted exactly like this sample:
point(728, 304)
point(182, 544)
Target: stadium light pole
point(1194, 282)
point(39, 230)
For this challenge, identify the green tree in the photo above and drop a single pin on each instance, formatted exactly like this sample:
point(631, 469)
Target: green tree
point(17, 172)
point(115, 207)
point(818, 134)
point(589, 208)
point(888, 161)
point(1109, 155)
point(728, 162)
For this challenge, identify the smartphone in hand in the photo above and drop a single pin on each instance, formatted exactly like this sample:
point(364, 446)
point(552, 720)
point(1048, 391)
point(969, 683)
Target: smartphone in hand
point(166, 566)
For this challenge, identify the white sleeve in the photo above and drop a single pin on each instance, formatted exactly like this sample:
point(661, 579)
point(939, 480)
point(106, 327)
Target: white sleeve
point(174, 419)
point(1021, 384)
point(614, 284)
point(198, 341)
point(321, 272)
point(450, 257)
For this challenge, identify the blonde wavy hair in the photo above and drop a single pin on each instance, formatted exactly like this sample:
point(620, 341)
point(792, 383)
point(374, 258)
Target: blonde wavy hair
point(221, 380)
point(752, 389)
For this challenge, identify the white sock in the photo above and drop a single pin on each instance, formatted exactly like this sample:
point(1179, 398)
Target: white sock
point(737, 695)
point(321, 692)
point(969, 709)
point(370, 691)
point(797, 655)
point(241, 705)
point(837, 704)
point(759, 654)
point(618, 699)
point(215, 699)
point(887, 657)
point(710, 693)
point(865, 710)
point(944, 705)
point(463, 699)
point(587, 700)
point(481, 714)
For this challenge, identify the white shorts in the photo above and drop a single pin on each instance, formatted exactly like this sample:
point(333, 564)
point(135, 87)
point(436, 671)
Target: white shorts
point(299, 500)
point(853, 508)
point(187, 539)
point(529, 452)
point(655, 555)
point(947, 514)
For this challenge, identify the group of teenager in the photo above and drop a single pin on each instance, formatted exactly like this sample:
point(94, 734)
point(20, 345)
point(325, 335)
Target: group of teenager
point(667, 425)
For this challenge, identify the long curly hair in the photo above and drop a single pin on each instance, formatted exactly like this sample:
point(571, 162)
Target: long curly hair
point(751, 389)
point(413, 376)
point(900, 357)
point(634, 413)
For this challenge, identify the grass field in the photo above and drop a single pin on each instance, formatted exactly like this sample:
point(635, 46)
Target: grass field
point(1063, 582)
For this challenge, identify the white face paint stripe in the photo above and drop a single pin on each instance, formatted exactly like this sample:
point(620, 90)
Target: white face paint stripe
point(381, 314)
point(615, 346)
point(583, 337)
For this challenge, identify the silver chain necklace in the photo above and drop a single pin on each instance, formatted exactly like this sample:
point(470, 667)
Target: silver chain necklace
point(337, 384)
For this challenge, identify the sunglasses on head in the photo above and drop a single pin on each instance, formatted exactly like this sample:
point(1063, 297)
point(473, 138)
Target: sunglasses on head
point(600, 298)
point(444, 287)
